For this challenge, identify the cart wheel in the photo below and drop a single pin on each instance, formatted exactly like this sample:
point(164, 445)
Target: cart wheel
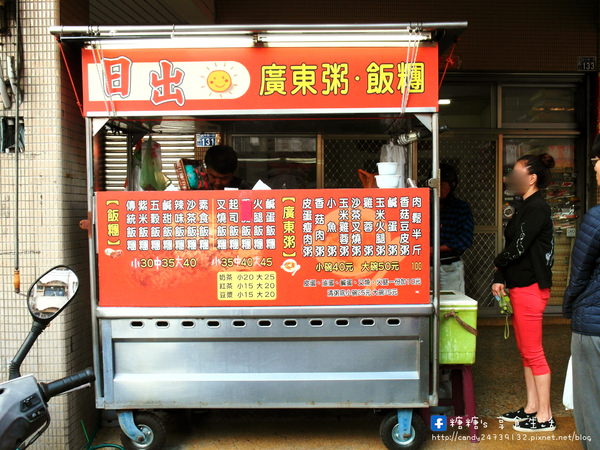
point(389, 432)
point(153, 428)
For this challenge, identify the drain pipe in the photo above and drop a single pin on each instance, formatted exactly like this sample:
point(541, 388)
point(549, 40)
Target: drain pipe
point(17, 273)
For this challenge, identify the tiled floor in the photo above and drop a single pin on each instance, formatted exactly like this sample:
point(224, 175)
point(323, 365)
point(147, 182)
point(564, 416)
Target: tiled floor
point(498, 384)
point(498, 373)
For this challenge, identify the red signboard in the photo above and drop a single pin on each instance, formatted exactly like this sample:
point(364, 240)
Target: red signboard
point(263, 248)
point(259, 80)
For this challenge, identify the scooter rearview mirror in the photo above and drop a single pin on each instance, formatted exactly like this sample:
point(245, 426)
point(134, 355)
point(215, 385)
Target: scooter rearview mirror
point(51, 293)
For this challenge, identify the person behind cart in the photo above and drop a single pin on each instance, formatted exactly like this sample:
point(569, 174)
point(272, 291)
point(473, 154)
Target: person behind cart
point(221, 163)
point(525, 268)
point(582, 305)
point(456, 233)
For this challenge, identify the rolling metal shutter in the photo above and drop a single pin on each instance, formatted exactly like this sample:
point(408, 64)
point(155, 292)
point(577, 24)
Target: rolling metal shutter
point(173, 148)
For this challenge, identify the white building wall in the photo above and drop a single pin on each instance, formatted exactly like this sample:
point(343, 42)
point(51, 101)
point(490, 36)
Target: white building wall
point(52, 201)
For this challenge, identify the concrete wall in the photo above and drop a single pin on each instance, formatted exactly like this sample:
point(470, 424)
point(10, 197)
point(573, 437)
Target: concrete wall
point(52, 183)
point(503, 35)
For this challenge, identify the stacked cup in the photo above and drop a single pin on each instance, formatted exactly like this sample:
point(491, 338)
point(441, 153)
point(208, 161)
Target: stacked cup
point(387, 177)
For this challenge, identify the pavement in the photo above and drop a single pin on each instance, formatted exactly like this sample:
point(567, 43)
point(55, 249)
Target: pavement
point(499, 387)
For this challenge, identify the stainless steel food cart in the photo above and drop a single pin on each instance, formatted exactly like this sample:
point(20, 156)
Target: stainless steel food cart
point(379, 356)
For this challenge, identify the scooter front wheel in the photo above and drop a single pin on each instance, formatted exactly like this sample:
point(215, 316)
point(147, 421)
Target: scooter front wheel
point(154, 430)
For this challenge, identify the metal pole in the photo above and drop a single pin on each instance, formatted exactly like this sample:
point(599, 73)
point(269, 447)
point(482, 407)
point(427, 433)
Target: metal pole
point(435, 174)
point(89, 146)
point(187, 30)
point(130, 145)
point(14, 367)
point(17, 273)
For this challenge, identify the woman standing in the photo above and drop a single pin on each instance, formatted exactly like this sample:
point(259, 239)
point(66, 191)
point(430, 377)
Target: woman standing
point(525, 268)
point(582, 305)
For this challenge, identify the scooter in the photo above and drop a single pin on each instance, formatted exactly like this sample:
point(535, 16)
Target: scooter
point(24, 415)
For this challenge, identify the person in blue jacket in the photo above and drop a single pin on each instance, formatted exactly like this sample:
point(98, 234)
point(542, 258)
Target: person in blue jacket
point(582, 305)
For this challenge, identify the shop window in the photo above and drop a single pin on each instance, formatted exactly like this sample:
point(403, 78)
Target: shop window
point(470, 105)
point(538, 107)
point(282, 162)
point(7, 134)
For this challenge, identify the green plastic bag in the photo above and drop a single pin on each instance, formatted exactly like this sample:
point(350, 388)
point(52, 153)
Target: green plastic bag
point(151, 176)
point(506, 310)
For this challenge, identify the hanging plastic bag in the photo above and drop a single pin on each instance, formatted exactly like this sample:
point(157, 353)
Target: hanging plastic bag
point(568, 390)
point(151, 176)
point(391, 152)
point(136, 168)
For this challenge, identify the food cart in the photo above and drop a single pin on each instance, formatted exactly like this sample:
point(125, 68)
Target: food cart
point(290, 298)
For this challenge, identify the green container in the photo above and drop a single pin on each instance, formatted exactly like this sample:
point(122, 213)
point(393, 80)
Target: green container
point(457, 345)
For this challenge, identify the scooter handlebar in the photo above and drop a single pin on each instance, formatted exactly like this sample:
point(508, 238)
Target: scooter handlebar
point(67, 383)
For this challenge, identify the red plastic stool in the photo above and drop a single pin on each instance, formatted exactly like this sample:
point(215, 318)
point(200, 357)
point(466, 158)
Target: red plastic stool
point(463, 396)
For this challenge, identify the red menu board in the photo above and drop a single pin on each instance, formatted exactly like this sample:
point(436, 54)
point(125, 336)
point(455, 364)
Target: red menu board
point(263, 248)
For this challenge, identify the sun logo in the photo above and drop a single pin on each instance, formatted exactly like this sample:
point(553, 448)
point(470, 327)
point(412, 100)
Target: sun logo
point(225, 79)
point(219, 81)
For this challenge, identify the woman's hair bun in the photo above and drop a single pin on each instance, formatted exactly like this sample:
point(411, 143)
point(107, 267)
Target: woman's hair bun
point(547, 160)
point(539, 165)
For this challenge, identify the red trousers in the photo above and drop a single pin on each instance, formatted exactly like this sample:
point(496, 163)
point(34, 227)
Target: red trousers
point(528, 307)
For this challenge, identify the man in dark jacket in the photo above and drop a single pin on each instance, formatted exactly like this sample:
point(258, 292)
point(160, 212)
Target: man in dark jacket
point(582, 305)
point(221, 162)
point(456, 232)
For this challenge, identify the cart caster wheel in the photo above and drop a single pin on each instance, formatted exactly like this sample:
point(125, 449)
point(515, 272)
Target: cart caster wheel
point(154, 430)
point(389, 433)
